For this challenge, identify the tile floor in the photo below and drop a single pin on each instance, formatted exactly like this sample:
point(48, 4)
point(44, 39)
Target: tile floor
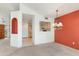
point(49, 49)
point(27, 42)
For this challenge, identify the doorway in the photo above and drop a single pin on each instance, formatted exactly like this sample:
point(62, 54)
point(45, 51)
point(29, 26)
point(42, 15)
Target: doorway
point(27, 30)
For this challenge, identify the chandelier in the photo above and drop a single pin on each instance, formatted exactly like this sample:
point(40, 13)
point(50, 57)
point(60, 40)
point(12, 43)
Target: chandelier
point(57, 24)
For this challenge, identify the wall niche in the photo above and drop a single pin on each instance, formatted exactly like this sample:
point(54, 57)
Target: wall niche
point(14, 26)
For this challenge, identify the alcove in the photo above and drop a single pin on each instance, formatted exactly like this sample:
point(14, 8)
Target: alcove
point(14, 26)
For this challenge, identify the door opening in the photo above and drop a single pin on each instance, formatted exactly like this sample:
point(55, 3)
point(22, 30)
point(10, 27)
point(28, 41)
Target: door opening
point(27, 30)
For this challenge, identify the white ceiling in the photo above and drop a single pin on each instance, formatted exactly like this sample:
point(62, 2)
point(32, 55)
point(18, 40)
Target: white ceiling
point(47, 9)
point(5, 7)
point(44, 8)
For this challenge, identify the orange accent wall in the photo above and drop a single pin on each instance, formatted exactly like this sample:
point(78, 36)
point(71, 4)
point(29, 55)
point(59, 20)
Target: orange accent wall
point(69, 34)
point(14, 26)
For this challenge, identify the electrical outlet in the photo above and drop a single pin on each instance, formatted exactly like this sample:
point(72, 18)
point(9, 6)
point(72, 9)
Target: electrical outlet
point(73, 43)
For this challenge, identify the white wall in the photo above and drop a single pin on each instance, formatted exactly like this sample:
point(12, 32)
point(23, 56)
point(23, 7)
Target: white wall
point(26, 10)
point(25, 30)
point(5, 9)
point(25, 19)
point(40, 36)
point(16, 39)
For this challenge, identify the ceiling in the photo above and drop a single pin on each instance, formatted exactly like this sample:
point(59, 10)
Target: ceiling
point(45, 9)
point(5, 7)
point(49, 9)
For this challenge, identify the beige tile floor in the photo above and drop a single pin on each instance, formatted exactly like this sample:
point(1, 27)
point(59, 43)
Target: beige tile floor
point(49, 49)
point(27, 42)
point(5, 48)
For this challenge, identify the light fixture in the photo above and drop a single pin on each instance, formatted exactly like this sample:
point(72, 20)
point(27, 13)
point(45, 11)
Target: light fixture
point(58, 24)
